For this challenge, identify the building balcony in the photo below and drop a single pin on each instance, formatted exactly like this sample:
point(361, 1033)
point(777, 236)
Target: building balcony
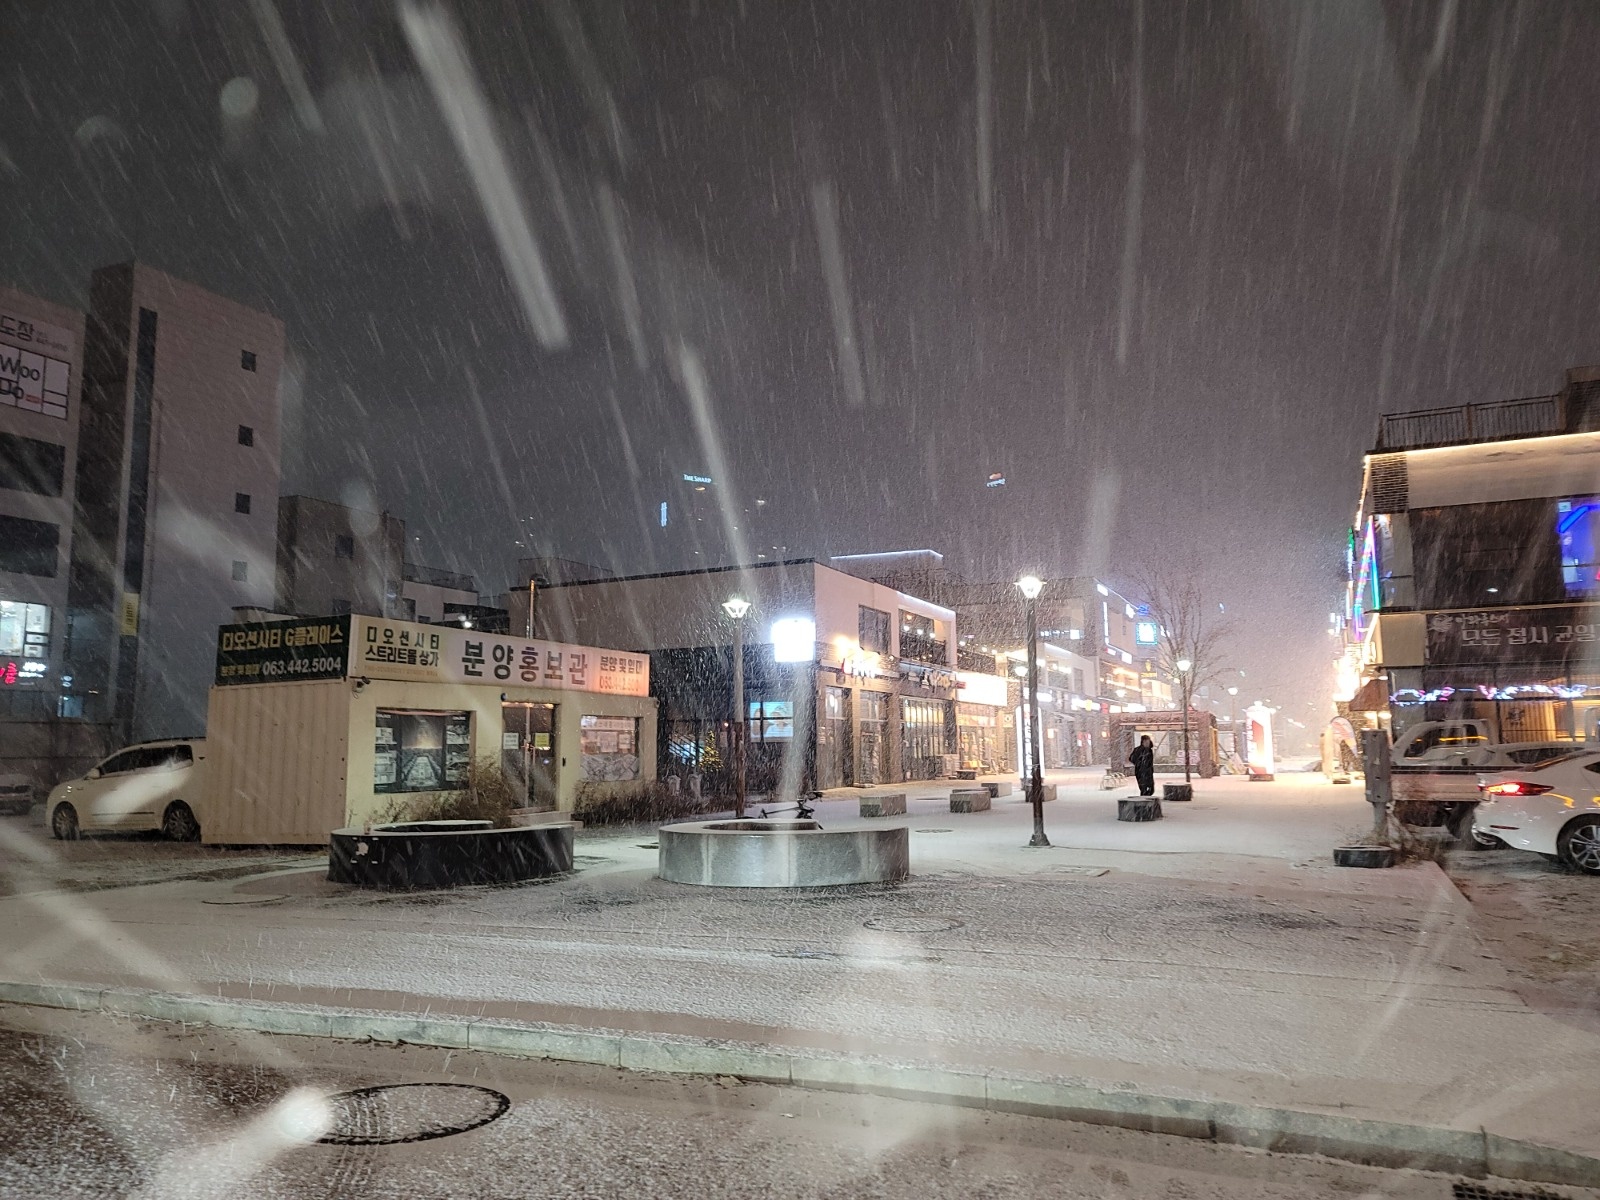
point(924, 650)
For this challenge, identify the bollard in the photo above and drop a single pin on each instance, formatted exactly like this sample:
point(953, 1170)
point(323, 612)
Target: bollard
point(1375, 761)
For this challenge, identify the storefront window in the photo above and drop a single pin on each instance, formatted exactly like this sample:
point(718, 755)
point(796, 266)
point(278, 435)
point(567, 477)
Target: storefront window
point(24, 629)
point(873, 630)
point(610, 748)
point(771, 720)
point(926, 737)
point(418, 751)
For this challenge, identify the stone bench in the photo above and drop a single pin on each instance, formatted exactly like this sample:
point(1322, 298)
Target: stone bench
point(892, 804)
point(969, 800)
point(1138, 808)
point(1047, 792)
point(1177, 791)
point(996, 790)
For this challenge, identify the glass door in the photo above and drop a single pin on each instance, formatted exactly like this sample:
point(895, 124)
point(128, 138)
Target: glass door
point(528, 751)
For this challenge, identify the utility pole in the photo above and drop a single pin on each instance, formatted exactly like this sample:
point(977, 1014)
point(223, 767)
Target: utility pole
point(1031, 586)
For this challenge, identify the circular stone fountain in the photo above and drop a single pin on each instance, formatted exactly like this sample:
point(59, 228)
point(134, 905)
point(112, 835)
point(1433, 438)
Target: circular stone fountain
point(781, 854)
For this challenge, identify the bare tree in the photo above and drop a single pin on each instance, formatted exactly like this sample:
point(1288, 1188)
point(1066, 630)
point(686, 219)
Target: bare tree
point(1193, 631)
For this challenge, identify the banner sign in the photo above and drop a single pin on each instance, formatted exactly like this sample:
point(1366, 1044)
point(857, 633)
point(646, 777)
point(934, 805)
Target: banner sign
point(283, 651)
point(1557, 635)
point(384, 649)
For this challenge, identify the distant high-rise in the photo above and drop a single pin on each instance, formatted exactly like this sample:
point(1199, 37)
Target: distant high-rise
point(178, 470)
point(698, 524)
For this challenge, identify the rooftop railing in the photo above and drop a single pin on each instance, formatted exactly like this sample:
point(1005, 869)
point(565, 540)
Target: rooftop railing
point(1493, 421)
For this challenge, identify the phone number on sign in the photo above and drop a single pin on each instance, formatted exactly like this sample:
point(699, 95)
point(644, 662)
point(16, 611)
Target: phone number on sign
point(303, 666)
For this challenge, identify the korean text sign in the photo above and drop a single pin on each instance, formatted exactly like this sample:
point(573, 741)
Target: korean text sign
point(383, 649)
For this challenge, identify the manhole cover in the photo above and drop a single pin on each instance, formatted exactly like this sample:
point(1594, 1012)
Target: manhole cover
point(410, 1112)
point(912, 924)
point(932, 831)
point(1081, 870)
point(247, 899)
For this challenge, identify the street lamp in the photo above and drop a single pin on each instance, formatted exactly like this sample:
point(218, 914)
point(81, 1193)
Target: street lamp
point(1031, 586)
point(1184, 680)
point(1233, 717)
point(736, 609)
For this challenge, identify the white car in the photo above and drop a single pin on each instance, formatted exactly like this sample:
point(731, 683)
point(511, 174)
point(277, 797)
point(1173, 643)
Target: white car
point(1552, 809)
point(154, 785)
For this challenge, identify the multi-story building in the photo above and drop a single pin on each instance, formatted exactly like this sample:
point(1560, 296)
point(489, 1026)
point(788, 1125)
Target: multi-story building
point(333, 559)
point(847, 681)
point(1474, 567)
point(699, 524)
point(41, 364)
point(177, 487)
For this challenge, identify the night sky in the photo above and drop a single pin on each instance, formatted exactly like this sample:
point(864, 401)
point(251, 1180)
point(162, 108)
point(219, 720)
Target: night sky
point(1161, 267)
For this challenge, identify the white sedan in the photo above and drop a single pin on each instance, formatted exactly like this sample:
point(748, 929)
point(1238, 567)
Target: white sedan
point(1552, 809)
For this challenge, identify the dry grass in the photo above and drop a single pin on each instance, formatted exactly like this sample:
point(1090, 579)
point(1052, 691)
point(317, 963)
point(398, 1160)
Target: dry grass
point(487, 796)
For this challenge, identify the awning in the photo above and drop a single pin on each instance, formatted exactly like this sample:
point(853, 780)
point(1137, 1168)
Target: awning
point(1371, 696)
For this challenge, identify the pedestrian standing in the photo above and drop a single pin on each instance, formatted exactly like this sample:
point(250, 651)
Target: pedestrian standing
point(1143, 759)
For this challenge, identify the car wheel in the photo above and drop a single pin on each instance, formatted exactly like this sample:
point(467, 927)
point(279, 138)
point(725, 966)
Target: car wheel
point(178, 823)
point(1579, 845)
point(1471, 839)
point(64, 823)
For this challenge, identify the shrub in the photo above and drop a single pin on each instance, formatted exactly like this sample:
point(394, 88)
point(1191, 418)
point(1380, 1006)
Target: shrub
point(487, 796)
point(640, 804)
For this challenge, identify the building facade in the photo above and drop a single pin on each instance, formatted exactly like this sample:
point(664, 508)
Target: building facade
point(847, 682)
point(333, 560)
point(41, 367)
point(1474, 568)
point(178, 470)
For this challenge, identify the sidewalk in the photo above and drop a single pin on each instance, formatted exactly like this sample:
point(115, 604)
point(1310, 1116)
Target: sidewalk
point(1132, 958)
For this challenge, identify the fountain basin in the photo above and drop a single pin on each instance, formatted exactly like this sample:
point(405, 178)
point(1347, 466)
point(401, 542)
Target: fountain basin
point(781, 854)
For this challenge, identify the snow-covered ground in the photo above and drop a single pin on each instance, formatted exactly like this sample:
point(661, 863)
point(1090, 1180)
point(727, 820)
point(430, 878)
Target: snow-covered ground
point(1218, 953)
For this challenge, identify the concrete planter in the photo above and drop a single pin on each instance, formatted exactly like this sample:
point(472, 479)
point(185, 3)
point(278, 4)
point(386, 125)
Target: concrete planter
point(769, 854)
point(444, 854)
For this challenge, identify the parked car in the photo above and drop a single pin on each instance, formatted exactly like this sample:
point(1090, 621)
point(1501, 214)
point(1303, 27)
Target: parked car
point(16, 793)
point(153, 785)
point(1552, 809)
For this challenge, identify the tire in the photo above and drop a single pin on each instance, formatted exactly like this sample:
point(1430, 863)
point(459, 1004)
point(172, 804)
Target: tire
point(1579, 845)
point(1471, 839)
point(64, 823)
point(178, 823)
point(1364, 856)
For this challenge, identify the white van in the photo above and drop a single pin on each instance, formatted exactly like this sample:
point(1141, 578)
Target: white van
point(154, 785)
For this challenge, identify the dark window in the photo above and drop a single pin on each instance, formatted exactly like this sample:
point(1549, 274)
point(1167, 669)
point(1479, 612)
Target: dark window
point(29, 547)
point(247, 436)
point(874, 630)
point(241, 502)
point(344, 546)
point(247, 359)
point(241, 571)
point(1487, 555)
point(29, 465)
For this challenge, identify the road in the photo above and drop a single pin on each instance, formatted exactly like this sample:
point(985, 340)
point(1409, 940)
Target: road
point(109, 1108)
point(1215, 954)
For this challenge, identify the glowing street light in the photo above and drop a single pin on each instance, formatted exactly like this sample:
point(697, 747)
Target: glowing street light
point(1185, 681)
point(1031, 586)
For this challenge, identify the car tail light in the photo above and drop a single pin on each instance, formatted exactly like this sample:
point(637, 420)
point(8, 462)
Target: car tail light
point(1517, 787)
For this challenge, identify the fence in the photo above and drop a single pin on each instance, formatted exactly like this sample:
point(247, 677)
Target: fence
point(1493, 421)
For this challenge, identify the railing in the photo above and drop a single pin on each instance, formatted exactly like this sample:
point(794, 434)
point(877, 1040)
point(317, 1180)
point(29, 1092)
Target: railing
point(1489, 422)
point(971, 660)
point(439, 578)
point(924, 650)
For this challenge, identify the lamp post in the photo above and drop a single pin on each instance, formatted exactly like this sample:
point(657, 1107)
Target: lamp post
point(736, 610)
point(1184, 667)
point(1233, 717)
point(1031, 586)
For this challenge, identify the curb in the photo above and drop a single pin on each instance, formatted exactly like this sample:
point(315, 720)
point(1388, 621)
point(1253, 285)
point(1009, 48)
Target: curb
point(1474, 1153)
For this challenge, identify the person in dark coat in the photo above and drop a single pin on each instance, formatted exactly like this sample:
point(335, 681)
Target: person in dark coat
point(1143, 759)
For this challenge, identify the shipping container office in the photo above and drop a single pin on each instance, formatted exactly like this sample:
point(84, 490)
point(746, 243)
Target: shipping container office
point(322, 724)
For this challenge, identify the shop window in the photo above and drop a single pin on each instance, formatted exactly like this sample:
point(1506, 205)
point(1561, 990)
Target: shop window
point(29, 547)
point(609, 747)
point(24, 629)
point(874, 630)
point(29, 465)
point(421, 751)
point(771, 720)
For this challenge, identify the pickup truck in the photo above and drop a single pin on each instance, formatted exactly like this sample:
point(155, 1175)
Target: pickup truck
point(1445, 792)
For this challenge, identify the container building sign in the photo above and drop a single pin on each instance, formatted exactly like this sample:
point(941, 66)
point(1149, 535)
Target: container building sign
point(383, 649)
point(1557, 635)
point(283, 651)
